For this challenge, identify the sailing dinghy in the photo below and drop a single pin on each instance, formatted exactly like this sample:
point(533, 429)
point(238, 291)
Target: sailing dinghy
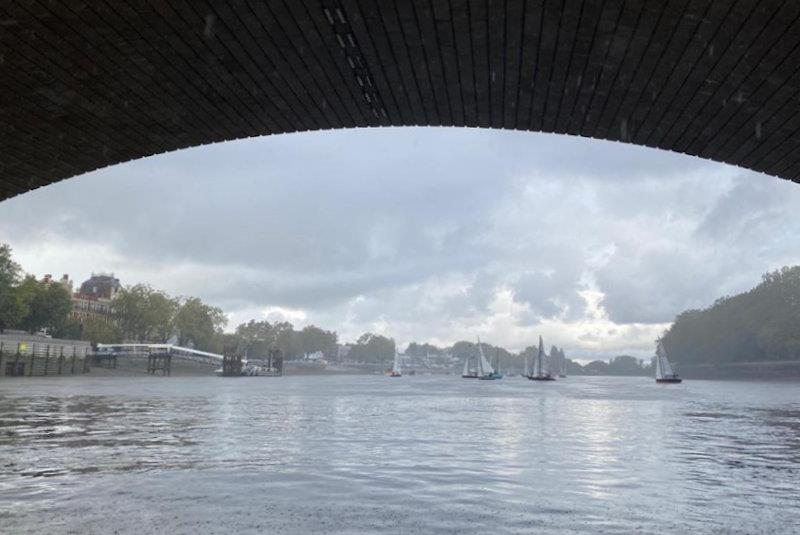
point(664, 371)
point(486, 372)
point(397, 368)
point(541, 366)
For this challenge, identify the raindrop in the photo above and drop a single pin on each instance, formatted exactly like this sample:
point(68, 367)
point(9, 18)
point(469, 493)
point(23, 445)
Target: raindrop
point(711, 50)
point(623, 129)
point(758, 130)
point(493, 76)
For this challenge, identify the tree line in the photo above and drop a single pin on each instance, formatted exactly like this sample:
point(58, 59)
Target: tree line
point(760, 324)
point(28, 304)
point(256, 338)
point(139, 313)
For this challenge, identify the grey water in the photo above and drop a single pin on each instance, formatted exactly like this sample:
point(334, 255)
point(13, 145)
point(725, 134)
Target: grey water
point(423, 454)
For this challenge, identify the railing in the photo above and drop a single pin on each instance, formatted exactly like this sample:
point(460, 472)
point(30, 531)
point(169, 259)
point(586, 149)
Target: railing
point(32, 358)
point(144, 350)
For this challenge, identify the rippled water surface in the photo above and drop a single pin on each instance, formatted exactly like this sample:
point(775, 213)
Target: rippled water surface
point(363, 454)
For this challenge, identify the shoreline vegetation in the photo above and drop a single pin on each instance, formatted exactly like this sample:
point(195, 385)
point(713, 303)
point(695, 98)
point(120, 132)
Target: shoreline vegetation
point(756, 332)
point(751, 334)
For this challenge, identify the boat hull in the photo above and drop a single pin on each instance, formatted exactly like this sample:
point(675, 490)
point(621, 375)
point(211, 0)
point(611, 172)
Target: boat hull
point(469, 376)
point(541, 378)
point(491, 377)
point(670, 380)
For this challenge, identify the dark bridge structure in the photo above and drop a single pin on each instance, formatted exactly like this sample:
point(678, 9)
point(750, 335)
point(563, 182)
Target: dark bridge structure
point(87, 84)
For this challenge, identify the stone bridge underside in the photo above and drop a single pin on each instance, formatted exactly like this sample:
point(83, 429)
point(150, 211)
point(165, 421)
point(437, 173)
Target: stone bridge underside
point(86, 84)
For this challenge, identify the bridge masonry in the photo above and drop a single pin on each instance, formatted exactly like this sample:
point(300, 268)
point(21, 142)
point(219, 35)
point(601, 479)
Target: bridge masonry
point(91, 84)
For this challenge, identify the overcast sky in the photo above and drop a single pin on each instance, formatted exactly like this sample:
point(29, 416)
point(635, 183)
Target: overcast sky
point(423, 234)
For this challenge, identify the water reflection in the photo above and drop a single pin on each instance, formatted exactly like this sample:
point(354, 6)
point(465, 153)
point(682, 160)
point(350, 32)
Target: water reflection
point(363, 454)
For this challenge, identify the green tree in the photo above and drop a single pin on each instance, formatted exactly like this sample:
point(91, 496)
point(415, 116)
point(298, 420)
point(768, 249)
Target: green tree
point(99, 331)
point(160, 313)
point(254, 338)
point(197, 324)
point(145, 314)
point(760, 324)
point(48, 305)
point(372, 348)
point(313, 339)
point(11, 307)
point(71, 329)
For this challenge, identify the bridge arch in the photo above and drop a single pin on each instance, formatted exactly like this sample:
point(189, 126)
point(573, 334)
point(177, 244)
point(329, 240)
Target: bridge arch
point(90, 84)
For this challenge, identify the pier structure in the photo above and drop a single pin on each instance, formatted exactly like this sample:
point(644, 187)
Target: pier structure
point(38, 356)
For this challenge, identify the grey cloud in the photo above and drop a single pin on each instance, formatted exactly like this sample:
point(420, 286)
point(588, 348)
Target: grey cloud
point(377, 223)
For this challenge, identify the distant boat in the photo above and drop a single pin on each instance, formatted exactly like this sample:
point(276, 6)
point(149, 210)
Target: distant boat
point(664, 371)
point(489, 373)
point(563, 372)
point(252, 369)
point(470, 371)
point(541, 367)
point(397, 368)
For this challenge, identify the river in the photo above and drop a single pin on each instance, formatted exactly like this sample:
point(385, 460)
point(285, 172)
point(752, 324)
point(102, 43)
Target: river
point(424, 454)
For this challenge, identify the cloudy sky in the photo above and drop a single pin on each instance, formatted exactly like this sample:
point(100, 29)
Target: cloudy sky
point(423, 234)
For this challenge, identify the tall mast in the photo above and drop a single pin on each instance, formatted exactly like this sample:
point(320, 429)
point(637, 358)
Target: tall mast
point(540, 357)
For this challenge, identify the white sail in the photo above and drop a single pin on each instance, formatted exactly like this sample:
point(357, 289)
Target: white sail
point(484, 368)
point(397, 365)
point(663, 367)
point(466, 366)
point(540, 364)
point(527, 368)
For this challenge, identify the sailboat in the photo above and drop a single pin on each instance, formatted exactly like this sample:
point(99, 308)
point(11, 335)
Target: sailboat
point(664, 371)
point(562, 372)
point(397, 367)
point(489, 373)
point(469, 372)
point(541, 368)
